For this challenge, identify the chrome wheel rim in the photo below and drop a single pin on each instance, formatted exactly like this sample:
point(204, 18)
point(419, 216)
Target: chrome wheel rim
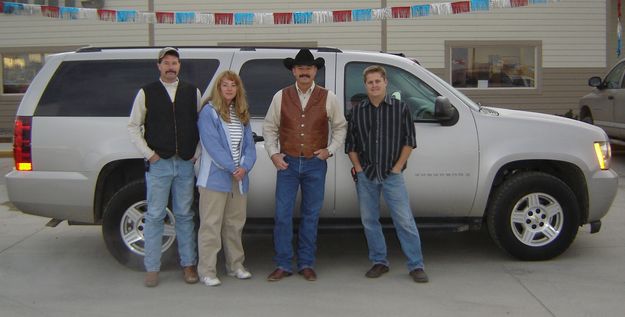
point(537, 219)
point(132, 225)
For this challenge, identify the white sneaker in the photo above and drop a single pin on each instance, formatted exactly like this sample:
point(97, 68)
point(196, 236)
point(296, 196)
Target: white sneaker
point(241, 274)
point(210, 281)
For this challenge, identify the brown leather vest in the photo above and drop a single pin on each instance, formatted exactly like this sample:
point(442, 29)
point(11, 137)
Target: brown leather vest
point(303, 132)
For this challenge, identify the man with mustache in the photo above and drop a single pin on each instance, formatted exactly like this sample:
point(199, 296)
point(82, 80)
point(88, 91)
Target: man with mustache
point(166, 110)
point(296, 130)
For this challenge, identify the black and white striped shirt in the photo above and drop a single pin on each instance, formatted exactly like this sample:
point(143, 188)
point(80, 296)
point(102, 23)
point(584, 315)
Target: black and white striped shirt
point(378, 135)
point(236, 134)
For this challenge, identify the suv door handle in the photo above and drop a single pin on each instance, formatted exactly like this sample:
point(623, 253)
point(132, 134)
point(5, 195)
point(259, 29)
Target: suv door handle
point(257, 138)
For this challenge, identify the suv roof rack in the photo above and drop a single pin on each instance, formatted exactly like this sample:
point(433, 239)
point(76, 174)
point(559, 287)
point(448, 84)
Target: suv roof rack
point(242, 47)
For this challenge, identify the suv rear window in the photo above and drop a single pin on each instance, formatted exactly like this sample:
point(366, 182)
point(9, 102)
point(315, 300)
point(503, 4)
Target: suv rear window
point(107, 88)
point(262, 78)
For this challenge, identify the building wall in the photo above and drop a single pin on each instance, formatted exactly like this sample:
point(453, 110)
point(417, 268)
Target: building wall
point(572, 34)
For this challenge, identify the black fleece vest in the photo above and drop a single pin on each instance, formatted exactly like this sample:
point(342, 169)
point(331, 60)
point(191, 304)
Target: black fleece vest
point(171, 128)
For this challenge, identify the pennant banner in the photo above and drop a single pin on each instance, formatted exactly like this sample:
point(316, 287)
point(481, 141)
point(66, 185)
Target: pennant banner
point(251, 18)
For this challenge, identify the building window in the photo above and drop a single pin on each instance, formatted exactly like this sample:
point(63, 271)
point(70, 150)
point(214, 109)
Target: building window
point(18, 70)
point(493, 66)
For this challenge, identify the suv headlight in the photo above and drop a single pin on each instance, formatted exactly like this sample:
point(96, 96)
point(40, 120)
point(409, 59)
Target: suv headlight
point(604, 153)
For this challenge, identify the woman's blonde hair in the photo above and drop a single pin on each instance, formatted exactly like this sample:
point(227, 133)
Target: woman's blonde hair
point(239, 101)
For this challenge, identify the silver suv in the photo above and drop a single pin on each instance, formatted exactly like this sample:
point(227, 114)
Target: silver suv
point(532, 179)
point(605, 105)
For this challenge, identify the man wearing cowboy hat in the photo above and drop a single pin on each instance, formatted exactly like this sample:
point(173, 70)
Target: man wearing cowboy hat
point(296, 131)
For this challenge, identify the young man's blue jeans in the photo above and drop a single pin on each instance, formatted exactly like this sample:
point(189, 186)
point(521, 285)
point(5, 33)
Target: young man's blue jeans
point(173, 175)
point(310, 175)
point(396, 197)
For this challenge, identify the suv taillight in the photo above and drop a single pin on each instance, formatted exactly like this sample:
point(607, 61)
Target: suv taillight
point(21, 144)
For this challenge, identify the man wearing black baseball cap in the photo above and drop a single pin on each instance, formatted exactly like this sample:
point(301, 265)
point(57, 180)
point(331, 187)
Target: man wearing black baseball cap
point(296, 130)
point(167, 111)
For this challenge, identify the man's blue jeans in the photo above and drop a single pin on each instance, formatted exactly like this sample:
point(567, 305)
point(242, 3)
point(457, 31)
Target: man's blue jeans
point(310, 175)
point(396, 198)
point(173, 175)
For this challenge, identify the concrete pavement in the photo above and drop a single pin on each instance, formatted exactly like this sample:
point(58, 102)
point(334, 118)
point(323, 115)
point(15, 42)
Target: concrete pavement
point(66, 271)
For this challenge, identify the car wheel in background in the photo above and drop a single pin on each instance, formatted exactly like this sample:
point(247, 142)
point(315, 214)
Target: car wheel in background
point(123, 223)
point(533, 216)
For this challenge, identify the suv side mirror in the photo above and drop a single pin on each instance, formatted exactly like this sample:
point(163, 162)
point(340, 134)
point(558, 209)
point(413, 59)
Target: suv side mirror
point(444, 112)
point(595, 82)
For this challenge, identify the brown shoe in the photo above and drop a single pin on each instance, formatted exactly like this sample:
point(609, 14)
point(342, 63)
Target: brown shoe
point(277, 275)
point(190, 274)
point(151, 279)
point(376, 270)
point(308, 274)
point(419, 276)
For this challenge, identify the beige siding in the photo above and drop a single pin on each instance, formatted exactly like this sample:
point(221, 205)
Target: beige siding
point(560, 92)
point(573, 32)
point(360, 35)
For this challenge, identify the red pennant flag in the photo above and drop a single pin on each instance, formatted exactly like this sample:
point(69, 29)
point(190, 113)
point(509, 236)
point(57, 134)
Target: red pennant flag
point(224, 18)
point(165, 17)
point(400, 12)
point(518, 3)
point(107, 15)
point(282, 18)
point(2, 6)
point(342, 16)
point(50, 11)
point(461, 7)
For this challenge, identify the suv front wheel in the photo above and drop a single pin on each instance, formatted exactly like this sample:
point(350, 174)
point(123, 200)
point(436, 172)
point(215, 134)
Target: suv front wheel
point(533, 216)
point(123, 224)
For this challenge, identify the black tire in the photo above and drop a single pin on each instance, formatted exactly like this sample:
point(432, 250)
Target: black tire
point(531, 195)
point(132, 194)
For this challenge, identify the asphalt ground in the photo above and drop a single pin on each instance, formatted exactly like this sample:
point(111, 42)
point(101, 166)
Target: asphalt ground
point(66, 271)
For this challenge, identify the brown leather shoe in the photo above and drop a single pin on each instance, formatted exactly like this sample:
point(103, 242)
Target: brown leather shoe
point(277, 275)
point(308, 274)
point(376, 270)
point(190, 274)
point(151, 279)
point(419, 276)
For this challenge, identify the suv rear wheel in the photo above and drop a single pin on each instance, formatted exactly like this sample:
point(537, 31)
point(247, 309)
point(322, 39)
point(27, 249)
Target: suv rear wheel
point(533, 216)
point(123, 224)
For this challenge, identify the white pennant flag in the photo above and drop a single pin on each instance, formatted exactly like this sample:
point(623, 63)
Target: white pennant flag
point(441, 8)
point(322, 17)
point(500, 4)
point(263, 18)
point(32, 9)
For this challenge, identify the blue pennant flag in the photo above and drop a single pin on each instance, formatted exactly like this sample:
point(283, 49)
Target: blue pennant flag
point(538, 1)
point(12, 7)
point(420, 10)
point(362, 15)
point(480, 5)
point(185, 17)
point(243, 18)
point(304, 17)
point(126, 16)
point(68, 13)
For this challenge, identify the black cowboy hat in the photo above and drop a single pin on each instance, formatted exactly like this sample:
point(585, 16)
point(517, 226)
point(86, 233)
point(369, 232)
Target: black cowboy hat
point(304, 57)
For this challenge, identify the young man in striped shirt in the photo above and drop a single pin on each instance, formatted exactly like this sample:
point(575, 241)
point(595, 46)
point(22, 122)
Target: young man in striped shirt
point(380, 138)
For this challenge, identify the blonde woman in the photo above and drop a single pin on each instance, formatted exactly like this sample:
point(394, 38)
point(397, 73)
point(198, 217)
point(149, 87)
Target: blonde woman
point(228, 155)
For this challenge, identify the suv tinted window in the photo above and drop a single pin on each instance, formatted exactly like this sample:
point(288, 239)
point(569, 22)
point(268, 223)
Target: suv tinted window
point(107, 88)
point(402, 85)
point(262, 78)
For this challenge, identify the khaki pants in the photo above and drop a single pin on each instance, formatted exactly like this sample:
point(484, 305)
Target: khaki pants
point(222, 217)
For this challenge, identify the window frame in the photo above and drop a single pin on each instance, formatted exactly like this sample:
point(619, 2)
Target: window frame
point(537, 45)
